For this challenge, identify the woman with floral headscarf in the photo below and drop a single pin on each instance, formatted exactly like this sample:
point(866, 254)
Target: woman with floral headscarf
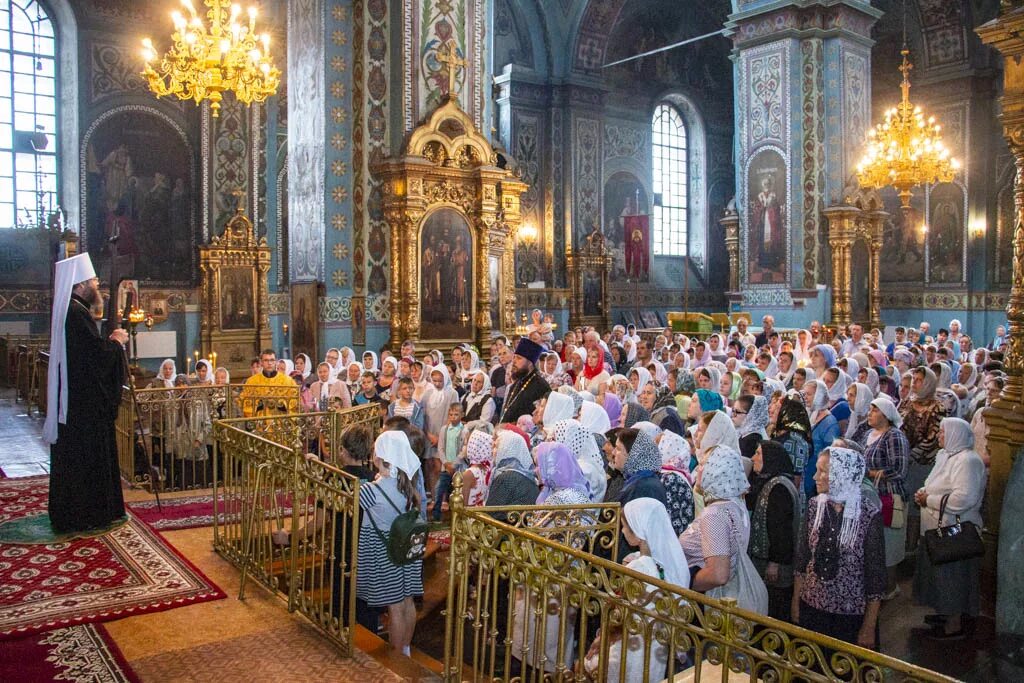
point(476, 480)
point(677, 480)
point(638, 458)
point(581, 443)
point(951, 589)
point(632, 413)
point(840, 562)
point(662, 408)
point(715, 544)
point(775, 510)
point(922, 415)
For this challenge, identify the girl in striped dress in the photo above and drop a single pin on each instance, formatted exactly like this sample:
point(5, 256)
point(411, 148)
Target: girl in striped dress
point(378, 581)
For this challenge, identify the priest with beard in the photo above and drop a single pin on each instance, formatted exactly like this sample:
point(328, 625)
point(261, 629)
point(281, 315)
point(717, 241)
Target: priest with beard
point(86, 373)
point(527, 386)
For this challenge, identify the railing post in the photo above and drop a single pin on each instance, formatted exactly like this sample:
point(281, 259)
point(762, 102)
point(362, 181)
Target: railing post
point(452, 631)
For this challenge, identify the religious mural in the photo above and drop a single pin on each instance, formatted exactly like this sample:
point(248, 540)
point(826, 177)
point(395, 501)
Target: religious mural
point(139, 186)
point(902, 258)
point(945, 233)
point(766, 236)
point(625, 197)
point(446, 268)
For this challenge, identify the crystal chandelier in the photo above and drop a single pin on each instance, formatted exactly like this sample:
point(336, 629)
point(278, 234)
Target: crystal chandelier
point(204, 62)
point(905, 149)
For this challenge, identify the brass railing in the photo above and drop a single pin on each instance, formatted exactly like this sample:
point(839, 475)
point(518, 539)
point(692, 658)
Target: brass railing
point(178, 428)
point(290, 521)
point(523, 606)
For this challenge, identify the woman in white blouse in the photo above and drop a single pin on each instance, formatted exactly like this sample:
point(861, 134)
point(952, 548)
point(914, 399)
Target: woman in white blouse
point(951, 589)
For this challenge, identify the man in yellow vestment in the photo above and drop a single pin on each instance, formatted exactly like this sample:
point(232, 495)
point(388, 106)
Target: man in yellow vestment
point(269, 392)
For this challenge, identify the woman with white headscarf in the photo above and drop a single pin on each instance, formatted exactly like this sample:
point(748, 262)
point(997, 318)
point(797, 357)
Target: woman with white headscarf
point(641, 376)
point(584, 448)
point(824, 429)
point(595, 418)
point(370, 362)
point(436, 401)
point(379, 581)
point(840, 569)
point(715, 544)
point(328, 391)
point(514, 481)
point(859, 397)
point(944, 388)
point(645, 526)
point(802, 348)
point(478, 404)
point(958, 479)
point(836, 382)
point(887, 454)
point(553, 371)
point(557, 407)
point(715, 431)
point(308, 376)
point(353, 373)
point(165, 376)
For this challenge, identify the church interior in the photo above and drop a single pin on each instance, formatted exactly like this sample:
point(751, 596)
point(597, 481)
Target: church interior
point(407, 183)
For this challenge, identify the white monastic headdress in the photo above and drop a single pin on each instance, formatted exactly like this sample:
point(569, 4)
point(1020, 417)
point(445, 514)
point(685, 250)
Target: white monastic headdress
point(69, 273)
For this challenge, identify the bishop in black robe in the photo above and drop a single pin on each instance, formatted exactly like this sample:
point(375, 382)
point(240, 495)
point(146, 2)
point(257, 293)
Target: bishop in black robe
point(85, 482)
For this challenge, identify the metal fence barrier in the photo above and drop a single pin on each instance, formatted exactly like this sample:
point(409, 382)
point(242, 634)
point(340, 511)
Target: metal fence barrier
point(177, 425)
point(528, 604)
point(289, 521)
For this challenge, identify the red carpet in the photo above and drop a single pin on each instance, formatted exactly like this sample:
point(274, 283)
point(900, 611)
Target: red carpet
point(131, 570)
point(189, 512)
point(78, 654)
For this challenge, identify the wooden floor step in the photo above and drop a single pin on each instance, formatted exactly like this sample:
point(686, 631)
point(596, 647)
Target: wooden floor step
point(282, 566)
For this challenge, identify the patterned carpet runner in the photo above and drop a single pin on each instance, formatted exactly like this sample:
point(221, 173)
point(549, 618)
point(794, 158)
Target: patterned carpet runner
point(131, 570)
point(189, 512)
point(80, 654)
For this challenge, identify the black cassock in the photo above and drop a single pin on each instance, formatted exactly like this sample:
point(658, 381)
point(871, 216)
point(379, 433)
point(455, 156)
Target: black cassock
point(521, 396)
point(85, 483)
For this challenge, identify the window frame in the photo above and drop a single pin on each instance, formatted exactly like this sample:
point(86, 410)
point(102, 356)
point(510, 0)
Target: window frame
point(54, 132)
point(677, 242)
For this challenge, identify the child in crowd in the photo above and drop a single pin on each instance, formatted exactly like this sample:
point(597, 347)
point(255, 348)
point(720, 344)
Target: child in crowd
point(404, 405)
point(368, 390)
point(451, 462)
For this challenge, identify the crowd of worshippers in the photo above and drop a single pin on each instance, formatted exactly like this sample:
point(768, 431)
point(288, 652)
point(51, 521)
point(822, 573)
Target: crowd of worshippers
point(792, 472)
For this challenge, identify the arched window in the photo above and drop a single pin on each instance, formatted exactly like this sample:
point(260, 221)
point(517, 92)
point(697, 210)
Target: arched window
point(28, 114)
point(670, 159)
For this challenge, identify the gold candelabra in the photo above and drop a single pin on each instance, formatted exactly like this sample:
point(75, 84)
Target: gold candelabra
point(204, 62)
point(905, 149)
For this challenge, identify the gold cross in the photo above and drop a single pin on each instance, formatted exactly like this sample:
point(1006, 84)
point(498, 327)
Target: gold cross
point(453, 62)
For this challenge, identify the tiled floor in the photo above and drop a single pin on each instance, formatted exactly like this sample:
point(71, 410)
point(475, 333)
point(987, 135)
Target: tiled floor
point(22, 451)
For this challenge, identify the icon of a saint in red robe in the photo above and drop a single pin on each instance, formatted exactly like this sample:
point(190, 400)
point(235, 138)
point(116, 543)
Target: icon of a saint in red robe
point(768, 236)
point(637, 237)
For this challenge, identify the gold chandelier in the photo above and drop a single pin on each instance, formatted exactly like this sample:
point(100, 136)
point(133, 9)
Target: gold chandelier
point(905, 149)
point(204, 63)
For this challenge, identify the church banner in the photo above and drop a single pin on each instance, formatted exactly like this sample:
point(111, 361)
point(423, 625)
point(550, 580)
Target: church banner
point(638, 246)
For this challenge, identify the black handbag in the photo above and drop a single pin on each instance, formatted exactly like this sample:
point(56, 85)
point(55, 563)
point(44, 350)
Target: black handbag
point(959, 541)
